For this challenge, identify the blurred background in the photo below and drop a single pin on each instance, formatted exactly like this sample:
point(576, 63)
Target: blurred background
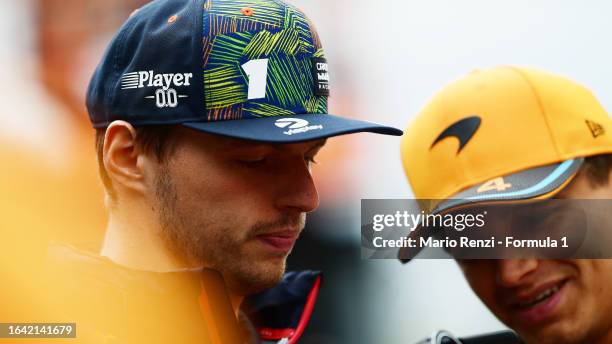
point(387, 58)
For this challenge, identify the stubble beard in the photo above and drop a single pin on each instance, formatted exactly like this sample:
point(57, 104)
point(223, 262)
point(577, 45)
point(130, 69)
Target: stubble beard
point(203, 243)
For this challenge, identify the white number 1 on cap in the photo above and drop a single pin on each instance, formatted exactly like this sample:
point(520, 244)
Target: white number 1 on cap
point(257, 71)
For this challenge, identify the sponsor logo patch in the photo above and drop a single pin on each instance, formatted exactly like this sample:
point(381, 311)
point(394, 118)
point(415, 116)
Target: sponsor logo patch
point(165, 94)
point(296, 125)
point(320, 75)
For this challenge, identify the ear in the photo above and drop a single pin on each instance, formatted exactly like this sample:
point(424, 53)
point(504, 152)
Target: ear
point(122, 158)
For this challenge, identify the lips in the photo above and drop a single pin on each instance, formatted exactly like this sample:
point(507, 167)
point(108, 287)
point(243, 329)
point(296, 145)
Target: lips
point(540, 303)
point(281, 241)
point(541, 297)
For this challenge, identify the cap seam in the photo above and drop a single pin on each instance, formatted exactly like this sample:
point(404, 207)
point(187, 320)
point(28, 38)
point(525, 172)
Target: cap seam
point(206, 49)
point(198, 109)
point(111, 85)
point(540, 106)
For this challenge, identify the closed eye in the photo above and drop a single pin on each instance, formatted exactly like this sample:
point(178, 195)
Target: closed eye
point(252, 162)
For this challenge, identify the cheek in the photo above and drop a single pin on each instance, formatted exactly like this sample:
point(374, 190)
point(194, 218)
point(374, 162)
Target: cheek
point(481, 279)
point(481, 286)
point(595, 277)
point(221, 193)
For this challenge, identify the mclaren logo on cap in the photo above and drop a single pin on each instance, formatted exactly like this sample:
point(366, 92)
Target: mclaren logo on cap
point(165, 95)
point(463, 130)
point(296, 125)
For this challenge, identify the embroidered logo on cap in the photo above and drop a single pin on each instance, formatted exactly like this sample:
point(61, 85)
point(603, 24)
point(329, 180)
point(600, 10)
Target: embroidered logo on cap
point(464, 129)
point(165, 95)
point(595, 128)
point(296, 125)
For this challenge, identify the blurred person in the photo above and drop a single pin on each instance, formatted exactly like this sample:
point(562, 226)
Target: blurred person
point(57, 182)
point(49, 191)
point(508, 135)
point(208, 116)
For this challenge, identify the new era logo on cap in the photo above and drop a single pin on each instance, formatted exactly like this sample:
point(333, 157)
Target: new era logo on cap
point(595, 128)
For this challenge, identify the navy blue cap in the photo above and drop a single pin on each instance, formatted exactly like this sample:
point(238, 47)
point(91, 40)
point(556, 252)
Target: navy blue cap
point(250, 69)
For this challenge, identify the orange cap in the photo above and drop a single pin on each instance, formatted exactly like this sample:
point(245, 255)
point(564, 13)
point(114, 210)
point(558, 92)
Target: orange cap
point(500, 124)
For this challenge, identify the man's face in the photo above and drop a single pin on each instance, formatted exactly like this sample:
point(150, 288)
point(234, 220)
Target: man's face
point(549, 301)
point(235, 206)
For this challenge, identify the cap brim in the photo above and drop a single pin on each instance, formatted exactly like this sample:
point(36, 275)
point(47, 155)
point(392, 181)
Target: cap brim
point(291, 129)
point(532, 184)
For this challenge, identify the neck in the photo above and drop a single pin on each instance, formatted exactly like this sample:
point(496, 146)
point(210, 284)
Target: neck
point(137, 244)
point(134, 241)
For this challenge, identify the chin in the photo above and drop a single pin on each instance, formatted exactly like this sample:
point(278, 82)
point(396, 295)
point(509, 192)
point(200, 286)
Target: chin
point(555, 338)
point(257, 277)
point(270, 274)
point(559, 332)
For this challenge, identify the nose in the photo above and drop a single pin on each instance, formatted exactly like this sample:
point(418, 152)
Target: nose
point(513, 272)
point(297, 191)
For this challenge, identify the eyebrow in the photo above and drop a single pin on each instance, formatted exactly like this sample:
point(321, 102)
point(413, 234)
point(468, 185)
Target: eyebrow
point(242, 144)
